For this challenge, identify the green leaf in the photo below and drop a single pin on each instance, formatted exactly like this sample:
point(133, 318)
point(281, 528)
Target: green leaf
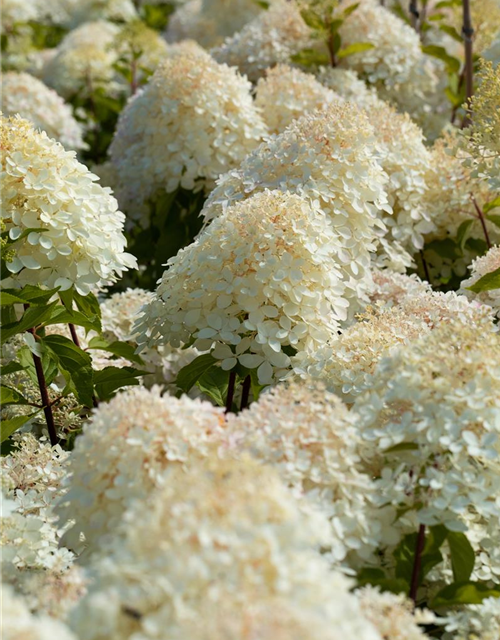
point(350, 9)
point(493, 204)
point(191, 373)
point(89, 306)
point(32, 317)
point(460, 593)
point(312, 19)
point(67, 297)
point(12, 367)
point(310, 57)
point(8, 427)
point(356, 47)
point(108, 380)
point(11, 396)
point(256, 386)
point(7, 298)
point(74, 364)
point(404, 554)
point(446, 248)
point(488, 282)
point(452, 64)
point(451, 31)
point(462, 233)
point(402, 446)
point(117, 348)
point(462, 556)
point(31, 295)
point(214, 384)
point(62, 315)
point(494, 218)
point(49, 365)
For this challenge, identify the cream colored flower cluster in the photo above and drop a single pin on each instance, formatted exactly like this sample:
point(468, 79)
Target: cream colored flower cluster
point(438, 398)
point(347, 84)
point(308, 435)
point(261, 282)
point(73, 228)
point(209, 22)
point(18, 623)
point(390, 287)
point(480, 267)
point(330, 158)
point(194, 120)
point(348, 362)
point(14, 12)
point(475, 622)
point(25, 95)
point(124, 452)
point(81, 11)
point(271, 38)
point(286, 94)
point(222, 536)
point(84, 61)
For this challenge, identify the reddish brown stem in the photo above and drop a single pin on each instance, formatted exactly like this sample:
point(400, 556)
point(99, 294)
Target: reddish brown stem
point(245, 393)
point(44, 394)
point(426, 267)
point(230, 391)
point(414, 14)
point(417, 563)
point(467, 33)
point(480, 215)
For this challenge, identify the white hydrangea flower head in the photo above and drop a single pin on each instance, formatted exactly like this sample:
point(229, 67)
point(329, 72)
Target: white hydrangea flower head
point(119, 312)
point(17, 11)
point(346, 83)
point(194, 120)
point(262, 279)
point(286, 94)
point(308, 435)
point(124, 452)
point(80, 241)
point(78, 12)
point(390, 287)
point(394, 616)
point(25, 95)
point(348, 363)
point(391, 60)
point(18, 623)
point(84, 61)
point(329, 157)
point(480, 267)
point(221, 535)
point(475, 621)
point(209, 22)
point(440, 394)
point(406, 160)
point(269, 39)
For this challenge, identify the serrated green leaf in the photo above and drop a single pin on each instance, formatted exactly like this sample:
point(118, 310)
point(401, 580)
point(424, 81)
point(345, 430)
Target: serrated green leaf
point(191, 373)
point(74, 364)
point(356, 47)
point(214, 383)
point(89, 306)
point(462, 556)
point(67, 297)
point(488, 282)
point(32, 295)
point(117, 348)
point(460, 593)
point(12, 367)
point(62, 315)
point(32, 317)
point(491, 205)
point(452, 64)
point(11, 396)
point(108, 380)
point(8, 427)
point(7, 298)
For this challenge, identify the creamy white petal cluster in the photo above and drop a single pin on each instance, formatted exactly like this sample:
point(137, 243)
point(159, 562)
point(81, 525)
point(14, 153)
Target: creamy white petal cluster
point(346, 83)
point(119, 313)
point(25, 95)
point(18, 623)
point(329, 157)
point(209, 22)
point(124, 452)
point(80, 11)
point(393, 615)
point(391, 60)
point(475, 621)
point(74, 227)
point(84, 61)
point(308, 435)
point(286, 94)
point(262, 279)
point(347, 363)
point(269, 39)
point(17, 11)
point(436, 398)
point(222, 535)
point(405, 159)
point(390, 287)
point(480, 267)
point(194, 120)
